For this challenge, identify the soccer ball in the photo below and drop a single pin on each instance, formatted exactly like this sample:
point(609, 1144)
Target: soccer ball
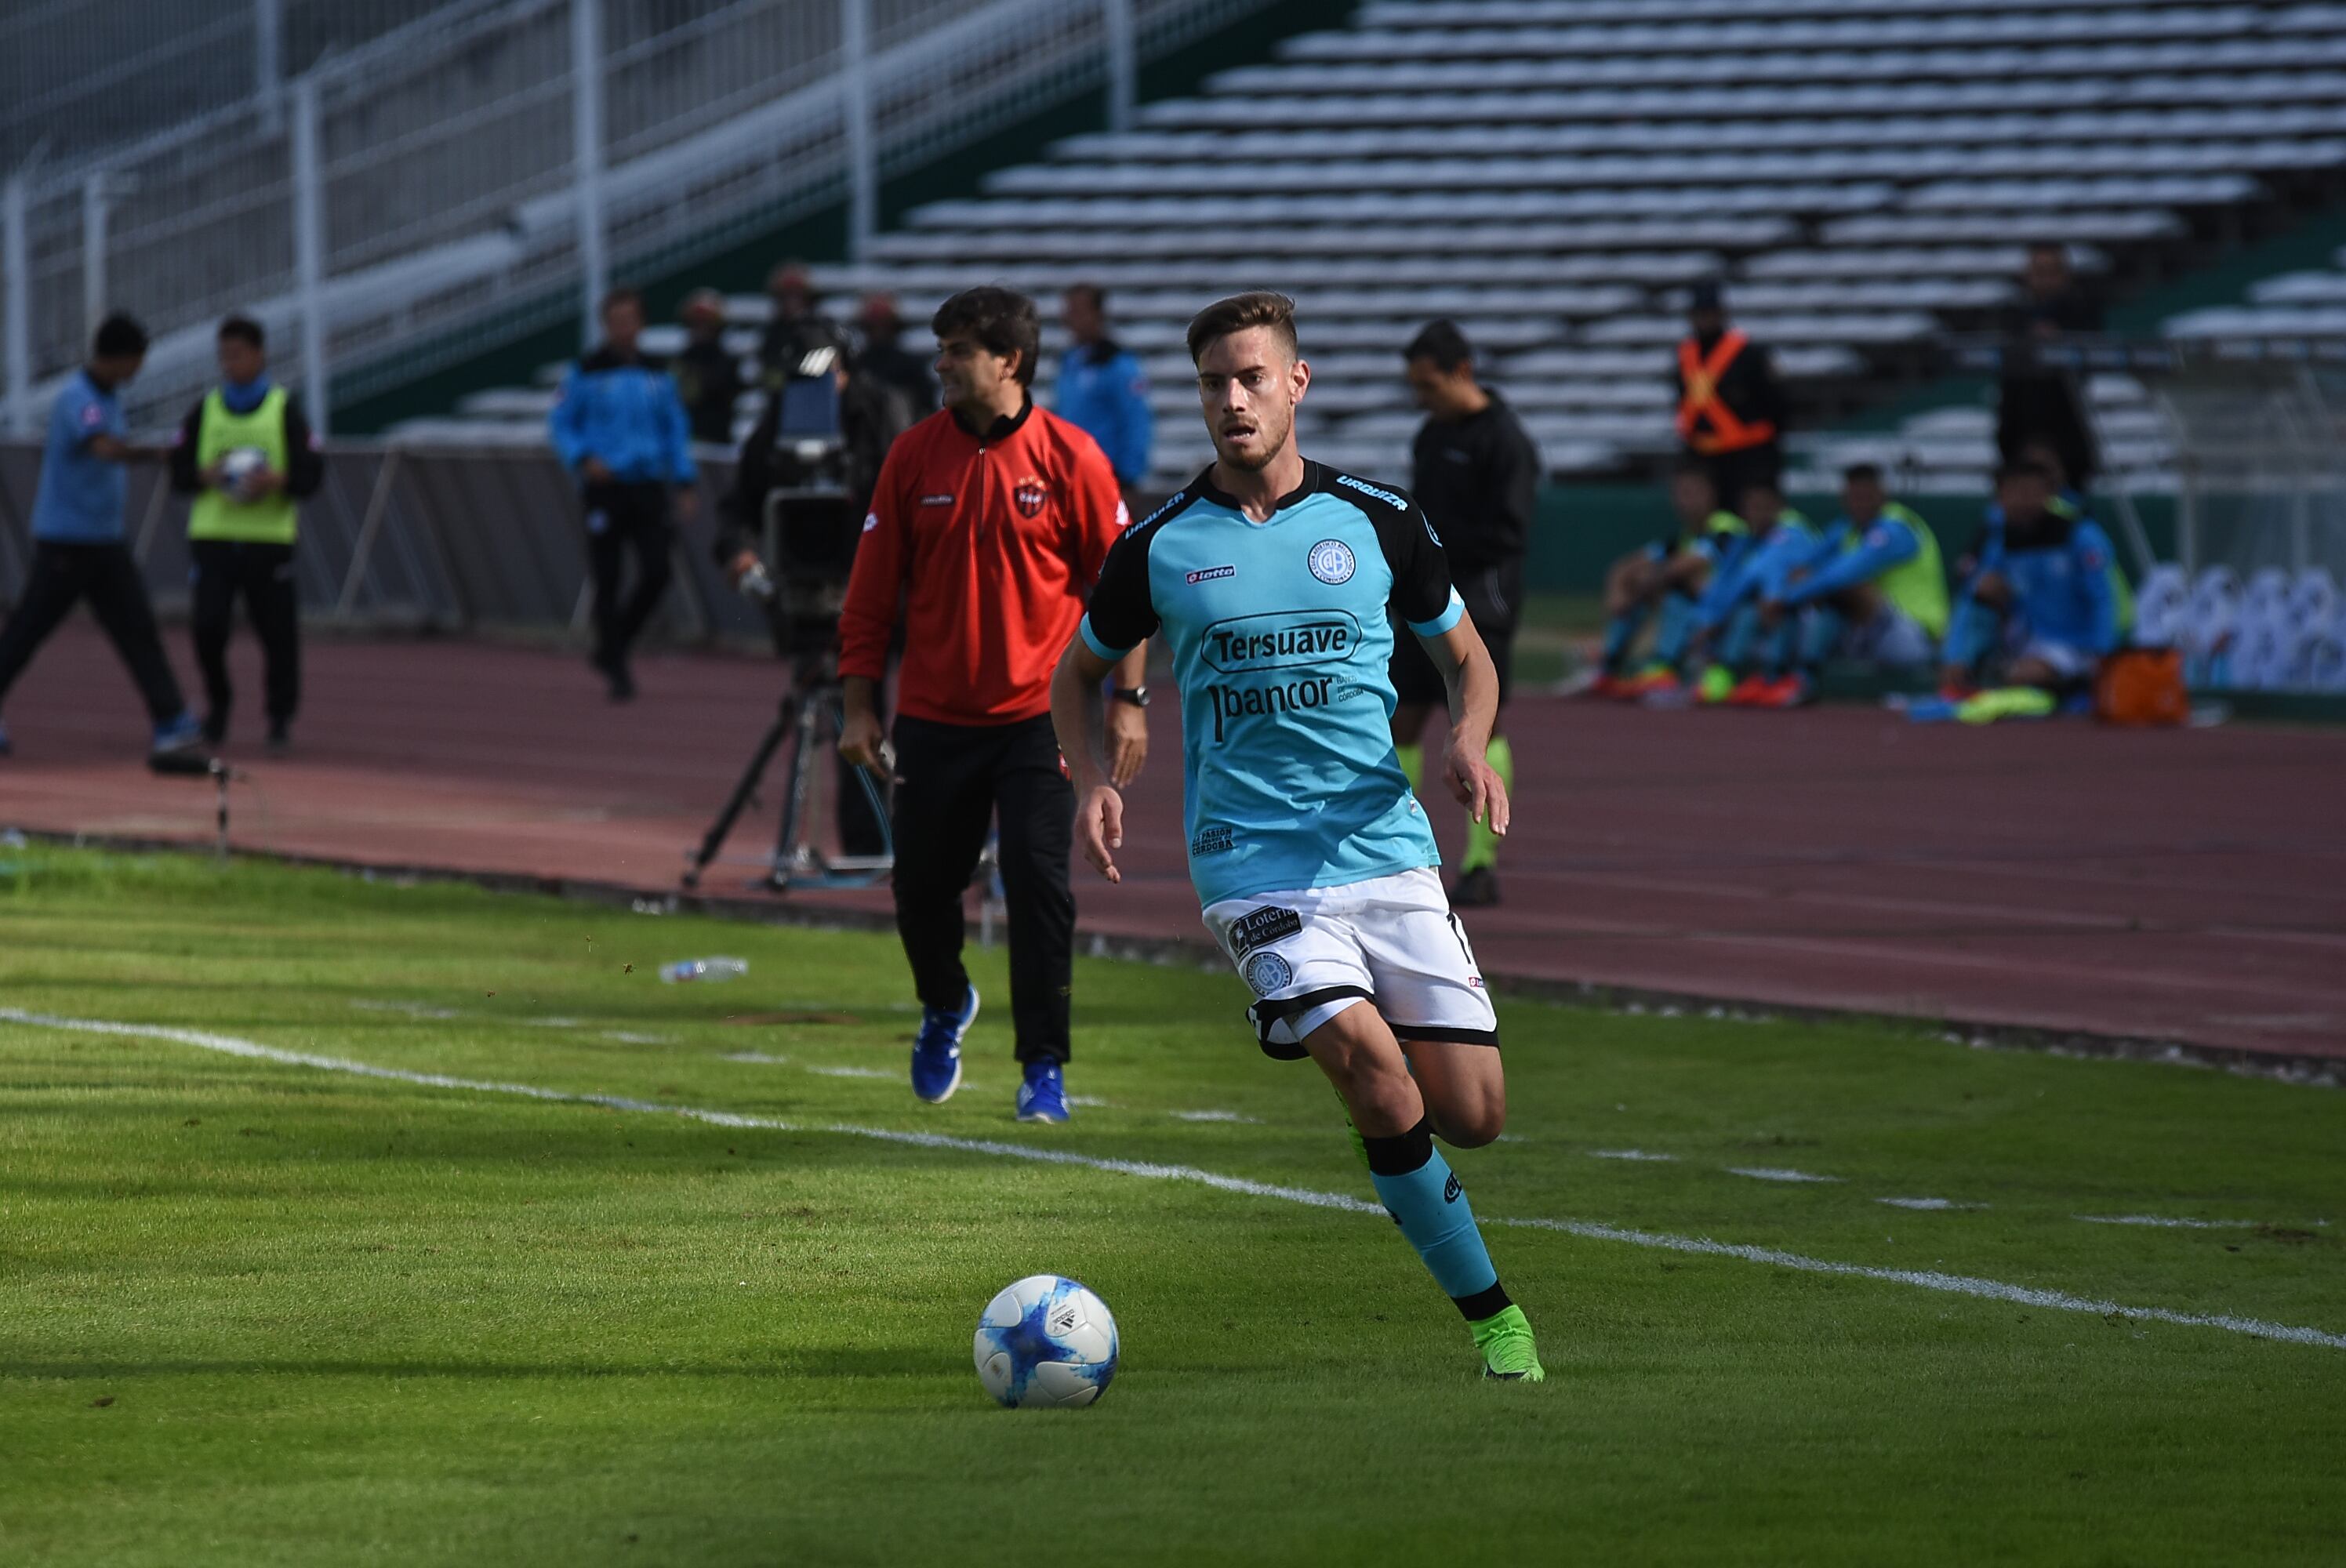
point(1046, 1343)
point(240, 467)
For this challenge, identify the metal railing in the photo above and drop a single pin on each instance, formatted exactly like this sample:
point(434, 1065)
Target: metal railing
point(477, 180)
point(2260, 456)
point(80, 78)
point(410, 538)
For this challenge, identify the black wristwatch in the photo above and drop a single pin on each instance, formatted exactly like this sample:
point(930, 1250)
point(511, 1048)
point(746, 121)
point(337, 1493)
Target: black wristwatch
point(1137, 696)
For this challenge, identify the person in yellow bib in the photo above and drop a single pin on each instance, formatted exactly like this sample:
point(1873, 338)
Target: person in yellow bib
point(1873, 591)
point(248, 457)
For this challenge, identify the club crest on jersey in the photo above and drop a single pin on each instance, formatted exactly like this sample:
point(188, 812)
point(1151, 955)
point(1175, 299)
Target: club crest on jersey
point(1028, 495)
point(1267, 972)
point(1331, 562)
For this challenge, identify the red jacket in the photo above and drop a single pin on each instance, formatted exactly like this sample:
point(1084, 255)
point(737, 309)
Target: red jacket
point(994, 544)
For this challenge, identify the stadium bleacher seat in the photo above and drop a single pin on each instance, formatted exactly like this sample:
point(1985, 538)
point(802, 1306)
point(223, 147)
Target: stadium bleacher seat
point(1864, 174)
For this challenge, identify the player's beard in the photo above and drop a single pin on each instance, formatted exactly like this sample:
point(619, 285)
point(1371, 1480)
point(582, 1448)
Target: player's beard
point(1270, 441)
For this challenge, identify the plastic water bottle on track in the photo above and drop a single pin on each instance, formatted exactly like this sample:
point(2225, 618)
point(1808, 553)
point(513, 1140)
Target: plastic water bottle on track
point(685, 969)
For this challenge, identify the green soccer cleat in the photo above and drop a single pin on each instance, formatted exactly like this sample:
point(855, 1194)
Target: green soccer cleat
point(1506, 1340)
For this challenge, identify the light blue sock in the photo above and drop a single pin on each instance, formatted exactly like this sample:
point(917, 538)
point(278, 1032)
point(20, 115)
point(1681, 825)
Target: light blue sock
point(1619, 633)
point(1735, 646)
point(1678, 627)
point(1821, 631)
point(1970, 635)
point(1423, 1193)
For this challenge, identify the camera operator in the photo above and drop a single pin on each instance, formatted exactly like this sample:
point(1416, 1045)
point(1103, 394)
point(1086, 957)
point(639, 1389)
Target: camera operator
point(869, 414)
point(988, 526)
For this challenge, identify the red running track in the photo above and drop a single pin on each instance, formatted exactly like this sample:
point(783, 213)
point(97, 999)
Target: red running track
point(2172, 886)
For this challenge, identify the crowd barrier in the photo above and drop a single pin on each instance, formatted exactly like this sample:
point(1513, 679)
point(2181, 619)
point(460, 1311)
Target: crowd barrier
point(418, 538)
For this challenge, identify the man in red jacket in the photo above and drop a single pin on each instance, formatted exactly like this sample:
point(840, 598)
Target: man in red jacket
point(989, 525)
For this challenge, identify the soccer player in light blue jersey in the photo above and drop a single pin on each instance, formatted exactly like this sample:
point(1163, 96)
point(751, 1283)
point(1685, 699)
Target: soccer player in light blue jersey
point(1276, 581)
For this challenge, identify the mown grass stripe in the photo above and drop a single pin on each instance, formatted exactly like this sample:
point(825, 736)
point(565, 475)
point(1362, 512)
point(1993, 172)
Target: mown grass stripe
point(1924, 1280)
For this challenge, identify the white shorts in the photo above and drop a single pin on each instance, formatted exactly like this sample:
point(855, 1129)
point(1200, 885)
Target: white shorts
point(1390, 941)
point(1891, 636)
point(2070, 661)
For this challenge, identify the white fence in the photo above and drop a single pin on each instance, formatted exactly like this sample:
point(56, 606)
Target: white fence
point(465, 183)
point(403, 536)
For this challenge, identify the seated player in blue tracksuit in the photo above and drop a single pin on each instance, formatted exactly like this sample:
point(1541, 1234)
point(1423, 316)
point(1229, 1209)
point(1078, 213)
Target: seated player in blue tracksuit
point(1872, 590)
point(1718, 637)
point(1670, 574)
point(2042, 607)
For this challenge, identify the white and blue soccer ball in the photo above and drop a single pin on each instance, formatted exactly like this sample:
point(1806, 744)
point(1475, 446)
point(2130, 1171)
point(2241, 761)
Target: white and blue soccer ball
point(1046, 1343)
point(241, 466)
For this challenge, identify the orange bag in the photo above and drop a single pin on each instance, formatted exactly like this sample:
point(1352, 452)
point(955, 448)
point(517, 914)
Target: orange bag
point(2142, 686)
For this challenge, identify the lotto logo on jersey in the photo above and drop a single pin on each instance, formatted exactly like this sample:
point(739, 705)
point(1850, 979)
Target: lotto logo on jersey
point(1029, 495)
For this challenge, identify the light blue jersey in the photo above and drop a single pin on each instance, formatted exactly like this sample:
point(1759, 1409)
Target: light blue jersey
point(1281, 636)
point(81, 495)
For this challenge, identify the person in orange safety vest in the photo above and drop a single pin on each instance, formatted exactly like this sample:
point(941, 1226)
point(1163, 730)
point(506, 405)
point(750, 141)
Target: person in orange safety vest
point(1731, 409)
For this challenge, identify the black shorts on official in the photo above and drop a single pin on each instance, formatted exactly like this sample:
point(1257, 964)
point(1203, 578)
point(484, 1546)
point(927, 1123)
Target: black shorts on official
point(1493, 597)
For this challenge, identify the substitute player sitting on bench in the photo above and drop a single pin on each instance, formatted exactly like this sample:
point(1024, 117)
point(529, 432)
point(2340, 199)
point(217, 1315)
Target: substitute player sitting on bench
point(1719, 639)
point(1669, 574)
point(2041, 612)
point(1873, 590)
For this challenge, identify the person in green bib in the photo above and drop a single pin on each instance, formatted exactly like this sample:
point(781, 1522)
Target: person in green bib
point(1873, 591)
point(247, 456)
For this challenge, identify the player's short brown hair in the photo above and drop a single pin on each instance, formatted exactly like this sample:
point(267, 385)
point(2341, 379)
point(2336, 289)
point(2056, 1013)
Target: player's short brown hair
point(1257, 307)
point(1000, 321)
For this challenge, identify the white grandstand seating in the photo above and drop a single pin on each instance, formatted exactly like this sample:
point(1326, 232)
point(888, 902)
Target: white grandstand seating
point(1864, 174)
point(1951, 451)
point(2292, 307)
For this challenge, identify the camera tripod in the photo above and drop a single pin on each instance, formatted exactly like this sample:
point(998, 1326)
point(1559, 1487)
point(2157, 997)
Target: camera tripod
point(809, 720)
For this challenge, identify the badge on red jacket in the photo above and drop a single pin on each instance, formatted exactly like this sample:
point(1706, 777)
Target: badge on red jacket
point(1030, 495)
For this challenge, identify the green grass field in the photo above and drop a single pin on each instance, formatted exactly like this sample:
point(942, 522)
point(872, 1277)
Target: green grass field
point(260, 1312)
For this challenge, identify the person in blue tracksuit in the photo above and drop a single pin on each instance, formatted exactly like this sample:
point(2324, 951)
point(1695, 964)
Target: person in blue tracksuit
point(2042, 608)
point(620, 426)
point(1102, 389)
point(1872, 590)
point(1668, 575)
point(1725, 625)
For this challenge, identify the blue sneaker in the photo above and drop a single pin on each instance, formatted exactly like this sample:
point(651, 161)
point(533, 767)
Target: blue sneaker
point(183, 734)
point(936, 1052)
point(1043, 1097)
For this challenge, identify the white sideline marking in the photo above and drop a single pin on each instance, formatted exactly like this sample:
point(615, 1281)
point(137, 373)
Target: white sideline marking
point(855, 1072)
point(1928, 1203)
point(2167, 1222)
point(1627, 1155)
point(411, 1009)
point(1773, 1173)
point(1925, 1280)
point(629, 1037)
point(1092, 1101)
point(1214, 1116)
point(757, 1057)
point(554, 1023)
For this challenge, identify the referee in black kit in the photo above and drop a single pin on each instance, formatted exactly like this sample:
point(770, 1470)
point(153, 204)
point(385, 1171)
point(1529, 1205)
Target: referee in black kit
point(1476, 473)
